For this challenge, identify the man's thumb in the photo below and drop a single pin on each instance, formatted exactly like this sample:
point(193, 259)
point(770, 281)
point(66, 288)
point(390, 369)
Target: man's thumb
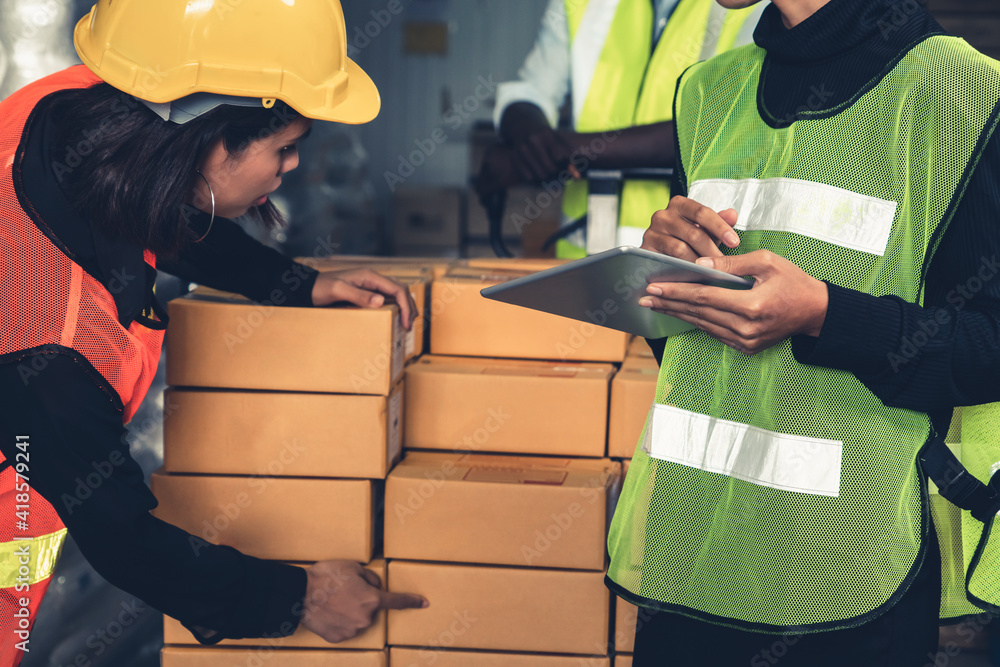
point(726, 263)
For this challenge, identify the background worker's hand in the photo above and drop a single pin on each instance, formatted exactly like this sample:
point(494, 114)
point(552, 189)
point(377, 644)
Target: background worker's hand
point(541, 155)
point(689, 230)
point(365, 288)
point(537, 157)
point(343, 598)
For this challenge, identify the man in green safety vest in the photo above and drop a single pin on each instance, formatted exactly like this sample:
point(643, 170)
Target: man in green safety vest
point(619, 61)
point(777, 508)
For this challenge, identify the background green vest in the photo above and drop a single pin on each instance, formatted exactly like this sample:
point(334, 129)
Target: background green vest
point(767, 494)
point(634, 85)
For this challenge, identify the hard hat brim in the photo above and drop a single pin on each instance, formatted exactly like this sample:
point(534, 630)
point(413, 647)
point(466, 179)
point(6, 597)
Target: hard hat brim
point(362, 103)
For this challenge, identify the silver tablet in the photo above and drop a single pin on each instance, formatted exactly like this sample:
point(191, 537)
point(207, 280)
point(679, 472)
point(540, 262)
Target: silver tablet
point(605, 289)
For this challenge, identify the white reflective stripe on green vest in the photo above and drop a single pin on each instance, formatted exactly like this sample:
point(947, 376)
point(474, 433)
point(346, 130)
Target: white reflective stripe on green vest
point(30, 560)
point(707, 541)
point(617, 85)
point(820, 211)
point(780, 461)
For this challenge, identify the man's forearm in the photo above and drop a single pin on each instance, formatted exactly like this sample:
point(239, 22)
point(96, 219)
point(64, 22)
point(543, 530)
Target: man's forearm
point(631, 147)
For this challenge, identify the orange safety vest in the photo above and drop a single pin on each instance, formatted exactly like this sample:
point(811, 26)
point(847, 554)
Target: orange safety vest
point(49, 305)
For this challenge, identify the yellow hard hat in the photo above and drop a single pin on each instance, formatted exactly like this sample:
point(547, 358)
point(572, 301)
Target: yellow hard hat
point(293, 50)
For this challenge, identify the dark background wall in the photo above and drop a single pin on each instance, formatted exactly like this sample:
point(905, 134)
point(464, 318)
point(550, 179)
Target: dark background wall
point(978, 21)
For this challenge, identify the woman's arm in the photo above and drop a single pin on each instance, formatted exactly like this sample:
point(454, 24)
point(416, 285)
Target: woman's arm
point(946, 353)
point(75, 430)
point(229, 259)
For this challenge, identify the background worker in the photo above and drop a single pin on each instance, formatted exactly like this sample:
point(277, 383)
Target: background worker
point(619, 61)
point(162, 164)
point(775, 509)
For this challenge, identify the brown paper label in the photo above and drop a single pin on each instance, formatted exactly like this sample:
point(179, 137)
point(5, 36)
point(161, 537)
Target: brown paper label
point(526, 372)
point(515, 475)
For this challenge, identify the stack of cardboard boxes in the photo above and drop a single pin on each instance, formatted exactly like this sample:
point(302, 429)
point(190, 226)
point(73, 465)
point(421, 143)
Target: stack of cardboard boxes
point(498, 512)
point(280, 422)
point(279, 426)
point(632, 394)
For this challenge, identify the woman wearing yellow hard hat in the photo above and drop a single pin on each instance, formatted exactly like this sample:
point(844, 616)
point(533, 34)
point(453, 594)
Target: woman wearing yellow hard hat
point(185, 114)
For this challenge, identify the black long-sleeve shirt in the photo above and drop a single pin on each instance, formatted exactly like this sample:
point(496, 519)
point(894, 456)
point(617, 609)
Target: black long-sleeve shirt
point(74, 425)
point(929, 358)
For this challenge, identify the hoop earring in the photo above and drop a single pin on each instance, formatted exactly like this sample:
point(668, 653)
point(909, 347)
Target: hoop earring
point(212, 219)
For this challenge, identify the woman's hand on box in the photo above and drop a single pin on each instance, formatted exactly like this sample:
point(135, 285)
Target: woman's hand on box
point(343, 599)
point(365, 288)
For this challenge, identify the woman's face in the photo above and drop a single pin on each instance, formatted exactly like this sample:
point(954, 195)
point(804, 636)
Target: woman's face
point(243, 180)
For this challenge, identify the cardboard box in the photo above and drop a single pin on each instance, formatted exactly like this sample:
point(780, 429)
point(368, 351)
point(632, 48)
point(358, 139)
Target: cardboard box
point(467, 323)
point(416, 275)
point(231, 343)
point(425, 657)
point(640, 348)
point(502, 510)
point(414, 344)
point(426, 216)
point(290, 434)
point(372, 638)
point(506, 264)
point(174, 656)
point(633, 391)
point(275, 518)
point(505, 405)
point(623, 660)
point(626, 616)
point(501, 608)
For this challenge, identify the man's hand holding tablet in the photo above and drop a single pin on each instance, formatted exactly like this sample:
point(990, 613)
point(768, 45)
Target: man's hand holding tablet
point(784, 300)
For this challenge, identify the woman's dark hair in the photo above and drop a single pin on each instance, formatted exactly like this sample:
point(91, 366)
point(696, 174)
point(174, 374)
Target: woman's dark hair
point(129, 173)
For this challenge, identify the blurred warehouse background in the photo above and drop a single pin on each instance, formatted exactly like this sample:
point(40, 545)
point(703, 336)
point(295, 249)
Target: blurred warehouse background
point(398, 185)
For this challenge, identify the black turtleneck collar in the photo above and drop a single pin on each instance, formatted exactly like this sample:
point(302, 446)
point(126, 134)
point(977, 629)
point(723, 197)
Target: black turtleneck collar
point(835, 55)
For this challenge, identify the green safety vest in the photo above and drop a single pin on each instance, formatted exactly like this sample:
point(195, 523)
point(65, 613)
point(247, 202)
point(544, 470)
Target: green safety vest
point(970, 551)
point(767, 494)
point(631, 88)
